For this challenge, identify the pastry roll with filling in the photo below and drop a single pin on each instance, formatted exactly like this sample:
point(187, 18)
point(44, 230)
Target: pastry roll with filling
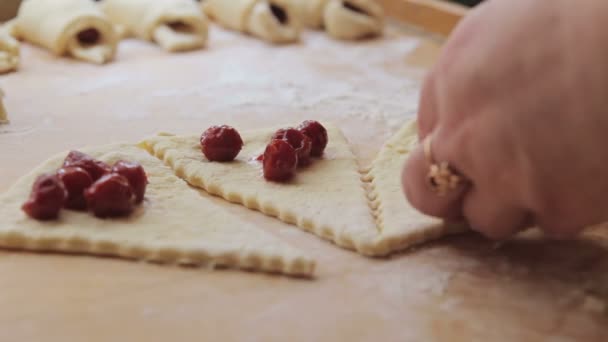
point(271, 20)
point(342, 19)
point(3, 115)
point(175, 25)
point(9, 52)
point(75, 28)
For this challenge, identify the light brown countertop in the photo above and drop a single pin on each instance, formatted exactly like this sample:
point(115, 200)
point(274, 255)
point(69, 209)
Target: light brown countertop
point(458, 289)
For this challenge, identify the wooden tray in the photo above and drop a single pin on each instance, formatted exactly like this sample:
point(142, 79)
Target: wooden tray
point(458, 289)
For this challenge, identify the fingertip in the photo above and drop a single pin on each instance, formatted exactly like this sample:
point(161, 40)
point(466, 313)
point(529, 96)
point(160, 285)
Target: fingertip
point(420, 195)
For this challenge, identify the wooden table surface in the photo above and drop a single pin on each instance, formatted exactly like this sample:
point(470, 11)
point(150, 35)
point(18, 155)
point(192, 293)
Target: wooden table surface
point(458, 289)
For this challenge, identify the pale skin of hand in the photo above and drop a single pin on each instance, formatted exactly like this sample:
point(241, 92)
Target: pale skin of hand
point(518, 104)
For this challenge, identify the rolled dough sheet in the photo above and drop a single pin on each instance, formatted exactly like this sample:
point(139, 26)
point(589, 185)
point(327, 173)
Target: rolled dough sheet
point(273, 21)
point(342, 19)
point(327, 198)
point(56, 25)
point(400, 225)
point(175, 25)
point(353, 19)
point(174, 225)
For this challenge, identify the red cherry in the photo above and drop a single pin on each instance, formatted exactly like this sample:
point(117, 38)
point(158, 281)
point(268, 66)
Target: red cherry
point(110, 196)
point(300, 142)
point(221, 143)
point(317, 133)
point(135, 174)
point(46, 199)
point(95, 168)
point(76, 181)
point(280, 161)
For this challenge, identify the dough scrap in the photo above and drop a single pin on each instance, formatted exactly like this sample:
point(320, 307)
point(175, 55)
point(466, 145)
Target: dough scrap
point(342, 19)
point(326, 198)
point(175, 225)
point(400, 225)
point(9, 52)
point(56, 24)
point(270, 20)
point(176, 25)
point(3, 114)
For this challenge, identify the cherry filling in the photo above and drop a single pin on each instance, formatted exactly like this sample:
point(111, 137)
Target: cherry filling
point(317, 134)
point(135, 174)
point(76, 181)
point(95, 168)
point(46, 199)
point(350, 6)
point(279, 13)
point(89, 36)
point(280, 161)
point(300, 142)
point(84, 182)
point(179, 26)
point(221, 143)
point(110, 196)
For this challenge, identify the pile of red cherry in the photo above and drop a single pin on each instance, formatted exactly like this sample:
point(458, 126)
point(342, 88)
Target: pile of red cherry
point(84, 183)
point(288, 148)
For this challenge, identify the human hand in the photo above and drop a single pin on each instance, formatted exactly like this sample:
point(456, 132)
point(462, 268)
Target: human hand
point(518, 105)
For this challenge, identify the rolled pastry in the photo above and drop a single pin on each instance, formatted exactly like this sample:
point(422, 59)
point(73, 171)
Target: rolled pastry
point(9, 52)
point(175, 25)
point(270, 20)
point(3, 115)
point(67, 27)
point(342, 19)
point(310, 12)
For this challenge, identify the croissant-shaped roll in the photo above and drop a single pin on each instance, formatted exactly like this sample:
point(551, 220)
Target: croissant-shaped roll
point(75, 28)
point(342, 19)
point(175, 25)
point(271, 20)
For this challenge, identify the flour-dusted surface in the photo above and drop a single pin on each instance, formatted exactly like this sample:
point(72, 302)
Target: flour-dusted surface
point(460, 288)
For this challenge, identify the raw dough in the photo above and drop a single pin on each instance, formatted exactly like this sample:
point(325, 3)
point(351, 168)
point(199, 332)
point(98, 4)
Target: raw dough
point(400, 225)
point(273, 20)
point(176, 25)
point(9, 52)
point(342, 22)
point(56, 24)
point(310, 12)
point(342, 19)
point(3, 115)
point(175, 225)
point(326, 198)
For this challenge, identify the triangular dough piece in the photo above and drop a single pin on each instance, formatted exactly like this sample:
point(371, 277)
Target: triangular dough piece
point(326, 198)
point(175, 225)
point(400, 225)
